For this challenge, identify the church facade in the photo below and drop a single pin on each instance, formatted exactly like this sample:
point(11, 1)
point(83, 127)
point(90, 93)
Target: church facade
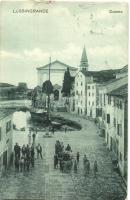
point(57, 70)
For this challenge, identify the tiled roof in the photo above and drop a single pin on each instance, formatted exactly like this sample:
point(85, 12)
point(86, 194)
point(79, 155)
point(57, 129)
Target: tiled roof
point(101, 76)
point(120, 92)
point(111, 81)
point(5, 112)
point(57, 61)
point(99, 73)
point(124, 69)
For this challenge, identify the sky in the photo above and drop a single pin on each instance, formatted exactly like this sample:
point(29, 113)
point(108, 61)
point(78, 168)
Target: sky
point(27, 40)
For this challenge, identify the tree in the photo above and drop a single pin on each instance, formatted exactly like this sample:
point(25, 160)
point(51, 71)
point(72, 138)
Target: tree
point(66, 84)
point(47, 87)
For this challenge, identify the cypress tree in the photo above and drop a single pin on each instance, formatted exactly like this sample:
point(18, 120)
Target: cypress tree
point(66, 84)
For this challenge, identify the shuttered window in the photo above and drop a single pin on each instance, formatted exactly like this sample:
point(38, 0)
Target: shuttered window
point(119, 129)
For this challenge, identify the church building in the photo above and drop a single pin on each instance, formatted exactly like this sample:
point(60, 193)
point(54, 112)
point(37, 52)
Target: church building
point(57, 70)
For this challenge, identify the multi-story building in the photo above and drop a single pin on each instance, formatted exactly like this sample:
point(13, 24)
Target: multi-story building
point(103, 89)
point(92, 99)
point(6, 131)
point(86, 87)
point(81, 81)
point(116, 119)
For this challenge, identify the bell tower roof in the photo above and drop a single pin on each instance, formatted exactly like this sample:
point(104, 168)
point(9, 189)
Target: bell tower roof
point(84, 60)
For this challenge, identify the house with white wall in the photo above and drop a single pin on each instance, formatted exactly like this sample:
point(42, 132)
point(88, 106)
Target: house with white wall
point(103, 89)
point(116, 132)
point(92, 99)
point(6, 137)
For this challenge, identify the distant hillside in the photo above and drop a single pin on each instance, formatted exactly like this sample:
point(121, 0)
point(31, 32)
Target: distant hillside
point(6, 85)
point(103, 75)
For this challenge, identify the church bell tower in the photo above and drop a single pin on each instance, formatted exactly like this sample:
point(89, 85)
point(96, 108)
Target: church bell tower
point(84, 61)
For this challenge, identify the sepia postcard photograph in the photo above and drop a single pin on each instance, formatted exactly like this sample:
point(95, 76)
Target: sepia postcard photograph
point(63, 100)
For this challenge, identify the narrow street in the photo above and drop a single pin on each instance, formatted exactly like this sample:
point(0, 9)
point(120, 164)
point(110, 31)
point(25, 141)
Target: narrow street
point(46, 183)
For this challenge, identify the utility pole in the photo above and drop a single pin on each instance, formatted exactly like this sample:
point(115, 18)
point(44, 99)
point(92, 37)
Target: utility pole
point(48, 92)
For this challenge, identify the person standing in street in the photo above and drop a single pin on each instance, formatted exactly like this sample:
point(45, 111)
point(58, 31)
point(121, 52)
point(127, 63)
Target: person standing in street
point(75, 166)
point(77, 157)
point(88, 166)
point(17, 150)
point(29, 137)
point(32, 152)
point(95, 168)
point(33, 136)
point(23, 150)
point(55, 161)
point(39, 151)
point(68, 148)
point(84, 159)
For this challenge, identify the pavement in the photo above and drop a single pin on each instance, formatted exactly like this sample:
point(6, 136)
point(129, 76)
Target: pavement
point(46, 183)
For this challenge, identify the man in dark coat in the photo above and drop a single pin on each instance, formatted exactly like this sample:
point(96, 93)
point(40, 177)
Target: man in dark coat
point(39, 151)
point(17, 150)
point(33, 136)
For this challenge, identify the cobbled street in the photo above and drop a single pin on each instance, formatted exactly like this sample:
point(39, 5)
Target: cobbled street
point(46, 183)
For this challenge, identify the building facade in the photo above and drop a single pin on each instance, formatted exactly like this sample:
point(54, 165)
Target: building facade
point(57, 70)
point(92, 99)
point(81, 81)
point(6, 137)
point(116, 132)
point(103, 89)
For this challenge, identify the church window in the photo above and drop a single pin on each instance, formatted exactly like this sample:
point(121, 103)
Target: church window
point(108, 118)
point(93, 103)
point(81, 92)
point(81, 83)
point(88, 87)
point(89, 103)
point(89, 94)
point(109, 100)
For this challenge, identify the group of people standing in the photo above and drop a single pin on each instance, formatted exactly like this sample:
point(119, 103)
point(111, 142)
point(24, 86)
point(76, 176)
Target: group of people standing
point(24, 157)
point(65, 159)
point(86, 165)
